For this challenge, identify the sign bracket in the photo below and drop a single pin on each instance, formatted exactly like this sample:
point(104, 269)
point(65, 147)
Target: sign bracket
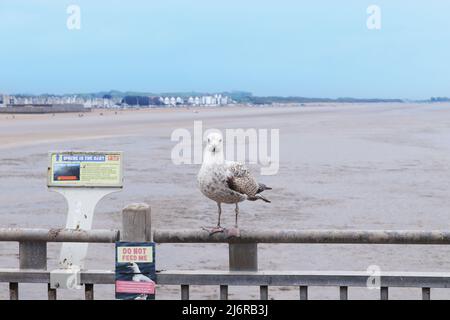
point(82, 197)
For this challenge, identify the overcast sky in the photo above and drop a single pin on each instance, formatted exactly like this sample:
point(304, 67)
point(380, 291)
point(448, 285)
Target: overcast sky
point(304, 48)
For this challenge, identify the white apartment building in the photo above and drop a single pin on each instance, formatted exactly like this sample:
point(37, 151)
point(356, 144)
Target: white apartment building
point(209, 100)
point(4, 101)
point(166, 101)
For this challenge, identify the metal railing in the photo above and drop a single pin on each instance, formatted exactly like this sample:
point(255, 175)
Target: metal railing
point(243, 258)
point(33, 255)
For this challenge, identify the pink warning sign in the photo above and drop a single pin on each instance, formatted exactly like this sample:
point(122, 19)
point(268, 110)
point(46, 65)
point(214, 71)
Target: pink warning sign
point(135, 287)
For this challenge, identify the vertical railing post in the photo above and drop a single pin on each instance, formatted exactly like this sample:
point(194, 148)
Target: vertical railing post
point(51, 292)
point(32, 255)
point(244, 257)
point(89, 291)
point(223, 292)
point(426, 293)
point(184, 292)
point(13, 291)
point(264, 292)
point(343, 292)
point(384, 293)
point(303, 292)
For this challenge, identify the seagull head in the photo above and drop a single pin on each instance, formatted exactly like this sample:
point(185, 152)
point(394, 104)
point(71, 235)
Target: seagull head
point(134, 267)
point(214, 142)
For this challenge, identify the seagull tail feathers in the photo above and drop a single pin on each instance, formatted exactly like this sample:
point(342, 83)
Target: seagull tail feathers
point(263, 187)
point(260, 197)
point(263, 198)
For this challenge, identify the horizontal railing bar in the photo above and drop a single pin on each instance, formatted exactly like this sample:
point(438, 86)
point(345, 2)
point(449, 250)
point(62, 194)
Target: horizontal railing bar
point(262, 236)
point(246, 278)
point(59, 235)
point(43, 276)
point(304, 278)
point(306, 236)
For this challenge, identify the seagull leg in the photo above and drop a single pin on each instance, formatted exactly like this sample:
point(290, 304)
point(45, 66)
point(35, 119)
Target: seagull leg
point(237, 213)
point(234, 232)
point(219, 207)
point(218, 228)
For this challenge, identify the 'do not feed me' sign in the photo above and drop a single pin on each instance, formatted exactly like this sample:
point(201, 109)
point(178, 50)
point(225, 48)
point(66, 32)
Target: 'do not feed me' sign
point(135, 270)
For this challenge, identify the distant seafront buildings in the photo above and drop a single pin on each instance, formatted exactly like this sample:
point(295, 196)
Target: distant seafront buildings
point(215, 100)
point(5, 100)
point(172, 101)
point(109, 101)
point(21, 104)
point(115, 99)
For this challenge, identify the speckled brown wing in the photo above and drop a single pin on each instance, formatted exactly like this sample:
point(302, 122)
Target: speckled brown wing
point(240, 179)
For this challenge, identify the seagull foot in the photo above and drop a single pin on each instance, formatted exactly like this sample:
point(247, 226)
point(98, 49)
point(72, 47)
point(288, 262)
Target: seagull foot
point(233, 232)
point(213, 230)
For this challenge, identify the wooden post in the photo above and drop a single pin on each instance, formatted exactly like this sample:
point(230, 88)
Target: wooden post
point(136, 223)
point(243, 256)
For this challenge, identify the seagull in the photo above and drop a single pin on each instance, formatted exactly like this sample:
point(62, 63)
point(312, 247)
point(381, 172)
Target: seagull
point(138, 276)
point(226, 181)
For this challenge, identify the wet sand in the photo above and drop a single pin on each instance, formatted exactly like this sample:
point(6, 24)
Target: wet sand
point(378, 166)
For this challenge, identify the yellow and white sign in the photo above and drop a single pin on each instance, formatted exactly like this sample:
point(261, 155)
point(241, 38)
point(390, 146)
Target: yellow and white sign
point(135, 254)
point(85, 169)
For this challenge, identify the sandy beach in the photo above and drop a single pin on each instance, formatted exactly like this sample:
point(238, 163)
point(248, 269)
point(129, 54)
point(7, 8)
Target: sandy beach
point(342, 166)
